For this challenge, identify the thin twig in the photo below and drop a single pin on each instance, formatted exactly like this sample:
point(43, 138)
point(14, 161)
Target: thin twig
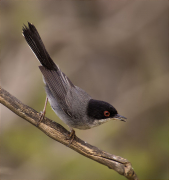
point(60, 134)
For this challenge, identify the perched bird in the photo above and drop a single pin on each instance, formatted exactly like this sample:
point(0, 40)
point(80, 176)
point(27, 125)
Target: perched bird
point(72, 104)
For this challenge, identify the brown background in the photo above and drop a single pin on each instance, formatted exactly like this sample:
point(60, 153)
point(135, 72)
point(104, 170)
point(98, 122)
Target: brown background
point(117, 51)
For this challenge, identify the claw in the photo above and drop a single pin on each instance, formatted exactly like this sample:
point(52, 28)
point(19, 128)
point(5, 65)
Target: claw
point(42, 113)
point(71, 137)
point(41, 117)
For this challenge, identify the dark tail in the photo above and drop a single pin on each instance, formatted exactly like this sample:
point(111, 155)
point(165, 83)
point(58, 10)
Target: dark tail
point(35, 43)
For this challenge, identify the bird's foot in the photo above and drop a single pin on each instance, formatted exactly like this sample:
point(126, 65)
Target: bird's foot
point(71, 137)
point(42, 115)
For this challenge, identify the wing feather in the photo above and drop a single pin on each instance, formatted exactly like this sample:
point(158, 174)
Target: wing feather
point(60, 86)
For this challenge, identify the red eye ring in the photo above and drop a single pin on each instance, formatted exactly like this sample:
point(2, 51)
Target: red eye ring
point(106, 113)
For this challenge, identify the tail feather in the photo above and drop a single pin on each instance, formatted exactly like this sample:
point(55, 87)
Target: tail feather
point(35, 43)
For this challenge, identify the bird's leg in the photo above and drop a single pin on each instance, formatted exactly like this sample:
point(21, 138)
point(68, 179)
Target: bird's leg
point(43, 112)
point(72, 136)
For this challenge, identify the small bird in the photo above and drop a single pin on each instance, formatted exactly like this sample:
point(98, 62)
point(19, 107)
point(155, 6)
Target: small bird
point(72, 104)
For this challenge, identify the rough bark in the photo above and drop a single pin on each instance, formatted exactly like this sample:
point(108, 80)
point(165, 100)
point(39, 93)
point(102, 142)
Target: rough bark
point(60, 134)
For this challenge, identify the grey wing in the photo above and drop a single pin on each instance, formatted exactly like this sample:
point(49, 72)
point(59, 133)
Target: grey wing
point(60, 86)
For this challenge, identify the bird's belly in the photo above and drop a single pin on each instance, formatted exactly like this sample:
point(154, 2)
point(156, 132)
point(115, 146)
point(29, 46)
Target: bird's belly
point(78, 122)
point(71, 122)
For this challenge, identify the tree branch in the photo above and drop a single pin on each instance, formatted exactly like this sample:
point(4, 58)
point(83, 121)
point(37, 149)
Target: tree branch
point(60, 134)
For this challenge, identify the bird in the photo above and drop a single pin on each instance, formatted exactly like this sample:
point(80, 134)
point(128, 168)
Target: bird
point(72, 105)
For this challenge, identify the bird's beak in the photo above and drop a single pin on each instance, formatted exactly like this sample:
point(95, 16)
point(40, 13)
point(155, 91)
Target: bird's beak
point(119, 117)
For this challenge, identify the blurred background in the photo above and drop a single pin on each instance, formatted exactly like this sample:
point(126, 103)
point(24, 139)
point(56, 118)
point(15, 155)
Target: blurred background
point(117, 51)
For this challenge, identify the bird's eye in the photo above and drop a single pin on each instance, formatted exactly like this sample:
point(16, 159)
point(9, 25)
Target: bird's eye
point(106, 113)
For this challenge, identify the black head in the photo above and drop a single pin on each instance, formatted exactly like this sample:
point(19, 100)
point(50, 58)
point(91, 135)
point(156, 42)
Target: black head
point(102, 111)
